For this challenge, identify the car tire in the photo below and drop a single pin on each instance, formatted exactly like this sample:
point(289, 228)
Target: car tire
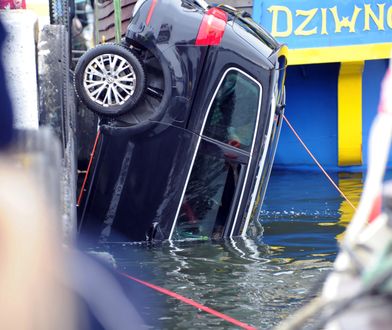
point(109, 80)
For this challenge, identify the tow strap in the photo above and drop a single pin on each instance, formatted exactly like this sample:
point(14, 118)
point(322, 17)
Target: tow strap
point(191, 302)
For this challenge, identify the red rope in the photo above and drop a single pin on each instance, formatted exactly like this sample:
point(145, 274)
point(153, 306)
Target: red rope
point(318, 164)
point(192, 303)
point(88, 168)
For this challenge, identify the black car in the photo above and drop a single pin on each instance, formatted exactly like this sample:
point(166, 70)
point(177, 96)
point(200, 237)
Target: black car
point(190, 108)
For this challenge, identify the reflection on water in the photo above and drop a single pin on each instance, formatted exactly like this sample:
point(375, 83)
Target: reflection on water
point(259, 280)
point(351, 184)
point(303, 214)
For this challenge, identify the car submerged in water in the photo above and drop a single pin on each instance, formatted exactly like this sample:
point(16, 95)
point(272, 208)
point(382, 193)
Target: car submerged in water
point(190, 106)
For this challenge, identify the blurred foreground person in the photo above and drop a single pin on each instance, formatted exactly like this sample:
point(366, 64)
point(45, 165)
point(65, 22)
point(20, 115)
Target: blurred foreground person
point(31, 296)
point(44, 285)
point(357, 294)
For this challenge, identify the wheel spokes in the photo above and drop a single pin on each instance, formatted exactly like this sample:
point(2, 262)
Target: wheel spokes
point(93, 83)
point(98, 91)
point(122, 67)
point(117, 96)
point(109, 80)
point(126, 88)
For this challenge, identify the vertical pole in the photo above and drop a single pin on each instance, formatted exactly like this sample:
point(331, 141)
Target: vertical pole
point(350, 113)
point(96, 30)
point(117, 19)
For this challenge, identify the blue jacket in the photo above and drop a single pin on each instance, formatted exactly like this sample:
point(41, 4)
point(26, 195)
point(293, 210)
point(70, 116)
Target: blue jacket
point(5, 102)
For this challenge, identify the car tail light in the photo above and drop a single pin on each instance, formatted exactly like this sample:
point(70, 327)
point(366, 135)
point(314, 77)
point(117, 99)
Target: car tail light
point(150, 11)
point(212, 27)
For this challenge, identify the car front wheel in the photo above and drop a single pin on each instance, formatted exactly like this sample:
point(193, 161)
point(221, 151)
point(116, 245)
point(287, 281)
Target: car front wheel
point(109, 79)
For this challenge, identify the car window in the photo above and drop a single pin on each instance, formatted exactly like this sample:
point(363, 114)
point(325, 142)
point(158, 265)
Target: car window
point(233, 114)
point(208, 198)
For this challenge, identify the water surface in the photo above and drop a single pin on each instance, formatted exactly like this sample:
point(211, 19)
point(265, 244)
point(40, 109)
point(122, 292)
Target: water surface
point(259, 280)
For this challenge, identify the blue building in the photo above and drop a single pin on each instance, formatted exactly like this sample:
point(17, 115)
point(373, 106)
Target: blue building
point(338, 55)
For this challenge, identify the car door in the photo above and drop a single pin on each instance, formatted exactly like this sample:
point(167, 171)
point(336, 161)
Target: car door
point(214, 189)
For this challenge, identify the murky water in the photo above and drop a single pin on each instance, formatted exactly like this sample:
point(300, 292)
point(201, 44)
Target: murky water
point(259, 280)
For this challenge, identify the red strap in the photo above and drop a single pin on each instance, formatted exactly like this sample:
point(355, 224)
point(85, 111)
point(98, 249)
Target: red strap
point(192, 303)
point(88, 168)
